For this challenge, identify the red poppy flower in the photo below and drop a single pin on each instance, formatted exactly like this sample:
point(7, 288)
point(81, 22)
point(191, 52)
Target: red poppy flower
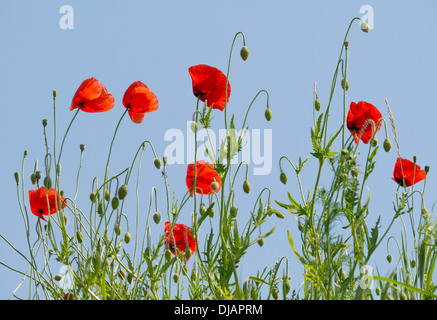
point(205, 175)
point(139, 100)
point(38, 202)
point(358, 114)
point(209, 84)
point(69, 296)
point(92, 96)
point(408, 172)
point(180, 236)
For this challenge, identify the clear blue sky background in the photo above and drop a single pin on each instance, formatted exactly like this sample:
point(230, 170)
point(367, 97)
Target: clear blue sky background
point(292, 44)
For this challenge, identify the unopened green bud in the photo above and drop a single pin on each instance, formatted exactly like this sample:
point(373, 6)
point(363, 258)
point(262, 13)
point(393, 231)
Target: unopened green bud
point(54, 93)
point(403, 296)
point(45, 122)
point(122, 192)
point(202, 209)
point(157, 163)
point(148, 252)
point(317, 104)
point(127, 237)
point(38, 175)
point(378, 290)
point(425, 213)
point(426, 169)
point(287, 286)
point(374, 142)
point(389, 258)
point(57, 277)
point(194, 126)
point(355, 172)
point(167, 255)
point(234, 211)
point(185, 269)
point(261, 241)
point(345, 84)
point(33, 178)
point(176, 277)
point(93, 197)
point(79, 236)
point(268, 114)
point(413, 263)
point(17, 177)
point(114, 203)
point(364, 26)
point(246, 186)
point(300, 226)
point(117, 229)
point(157, 217)
point(283, 177)
point(244, 53)
point(211, 212)
point(107, 195)
point(121, 274)
point(48, 182)
point(188, 253)
point(279, 214)
point(82, 147)
point(214, 185)
point(387, 145)
point(275, 293)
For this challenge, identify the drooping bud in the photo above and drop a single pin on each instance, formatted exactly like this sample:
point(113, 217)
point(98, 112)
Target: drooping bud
point(188, 253)
point(157, 163)
point(275, 293)
point(114, 203)
point(33, 178)
point(157, 217)
point(345, 84)
point(378, 290)
point(127, 237)
point(355, 172)
point(374, 142)
point(283, 177)
point(117, 229)
point(194, 126)
point(57, 277)
point(244, 53)
point(211, 212)
point(122, 192)
point(389, 258)
point(246, 186)
point(279, 214)
point(79, 236)
point(202, 209)
point(425, 213)
point(107, 195)
point(413, 263)
point(317, 104)
point(167, 255)
point(176, 277)
point(234, 211)
point(261, 241)
point(48, 182)
point(121, 274)
point(387, 145)
point(268, 114)
point(93, 197)
point(364, 26)
point(38, 175)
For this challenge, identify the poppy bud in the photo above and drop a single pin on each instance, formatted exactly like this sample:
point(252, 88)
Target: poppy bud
point(54, 93)
point(317, 105)
point(214, 185)
point(426, 169)
point(355, 171)
point(403, 296)
point(33, 178)
point(38, 175)
point(100, 208)
point(387, 145)
point(275, 293)
point(211, 212)
point(234, 211)
point(117, 229)
point(188, 253)
point(62, 192)
point(244, 53)
point(148, 252)
point(121, 274)
point(17, 177)
point(300, 227)
point(157, 217)
point(413, 263)
point(374, 142)
point(93, 197)
point(176, 277)
point(129, 277)
point(107, 195)
point(268, 114)
point(202, 209)
point(57, 277)
point(279, 214)
point(283, 178)
point(82, 147)
point(114, 203)
point(425, 213)
point(194, 126)
point(127, 237)
point(45, 122)
point(378, 290)
point(48, 182)
point(167, 255)
point(157, 163)
point(389, 258)
point(185, 269)
point(79, 236)
point(345, 84)
point(246, 186)
point(122, 192)
point(261, 241)
point(364, 26)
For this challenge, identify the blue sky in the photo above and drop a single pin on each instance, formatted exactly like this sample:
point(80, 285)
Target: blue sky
point(292, 44)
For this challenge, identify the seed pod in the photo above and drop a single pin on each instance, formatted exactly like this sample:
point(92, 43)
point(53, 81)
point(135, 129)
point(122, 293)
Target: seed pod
point(234, 211)
point(244, 53)
point(283, 178)
point(17, 177)
point(127, 237)
point(157, 217)
point(82, 147)
point(317, 104)
point(44, 122)
point(122, 192)
point(114, 203)
point(268, 114)
point(157, 162)
point(246, 186)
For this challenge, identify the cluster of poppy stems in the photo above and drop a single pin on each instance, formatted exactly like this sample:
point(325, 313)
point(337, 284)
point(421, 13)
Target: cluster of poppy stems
point(211, 86)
